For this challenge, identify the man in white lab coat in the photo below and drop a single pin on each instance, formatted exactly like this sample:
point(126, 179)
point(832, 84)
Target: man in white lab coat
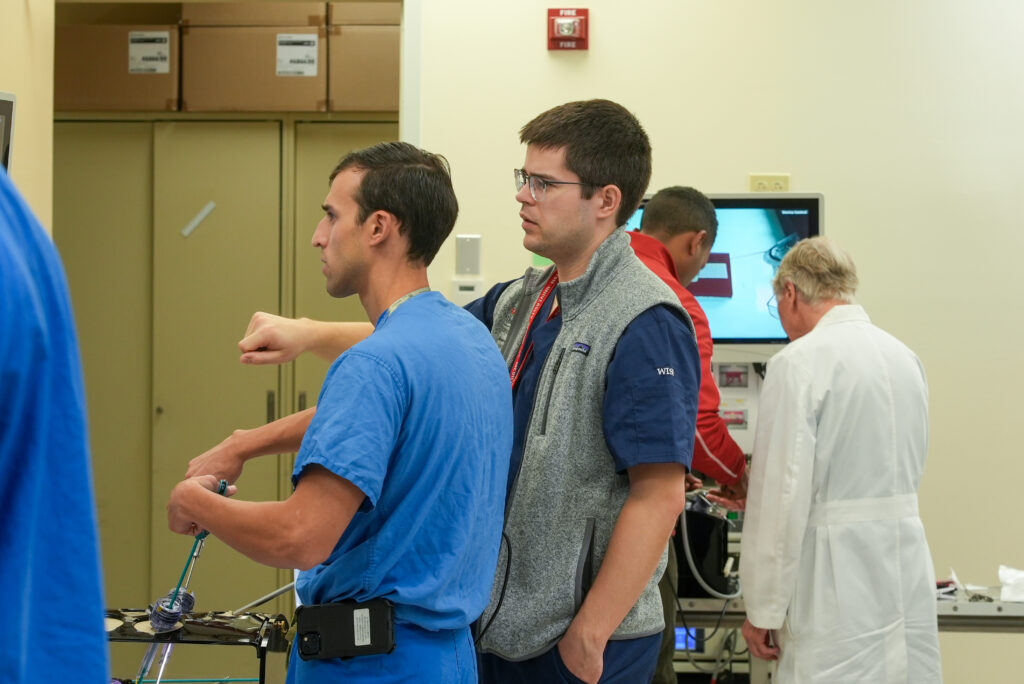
point(836, 573)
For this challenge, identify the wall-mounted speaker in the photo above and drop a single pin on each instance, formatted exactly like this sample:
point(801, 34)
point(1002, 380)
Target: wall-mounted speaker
point(467, 255)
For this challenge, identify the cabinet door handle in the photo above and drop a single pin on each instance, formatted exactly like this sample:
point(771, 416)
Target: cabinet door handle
point(271, 409)
point(302, 401)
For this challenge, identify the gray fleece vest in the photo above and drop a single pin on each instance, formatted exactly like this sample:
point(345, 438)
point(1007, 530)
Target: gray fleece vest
point(567, 496)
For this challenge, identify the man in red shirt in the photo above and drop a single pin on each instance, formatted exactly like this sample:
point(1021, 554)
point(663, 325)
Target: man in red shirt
point(676, 234)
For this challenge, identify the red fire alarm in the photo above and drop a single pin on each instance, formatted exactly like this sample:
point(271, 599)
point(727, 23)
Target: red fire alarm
point(567, 29)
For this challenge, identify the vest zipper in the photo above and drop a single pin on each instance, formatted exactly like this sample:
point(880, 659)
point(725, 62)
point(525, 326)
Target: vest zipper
point(584, 565)
point(529, 424)
point(551, 390)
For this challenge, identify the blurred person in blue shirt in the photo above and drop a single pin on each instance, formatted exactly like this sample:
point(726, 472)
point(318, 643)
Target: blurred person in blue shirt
point(50, 559)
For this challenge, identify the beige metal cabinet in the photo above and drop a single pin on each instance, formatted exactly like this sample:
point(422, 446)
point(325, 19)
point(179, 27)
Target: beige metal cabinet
point(159, 314)
point(216, 246)
point(208, 278)
point(103, 208)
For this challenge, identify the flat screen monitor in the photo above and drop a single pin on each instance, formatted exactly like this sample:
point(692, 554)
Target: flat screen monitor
point(735, 287)
point(6, 128)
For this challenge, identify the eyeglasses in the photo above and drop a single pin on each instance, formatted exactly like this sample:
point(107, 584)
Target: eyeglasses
point(773, 307)
point(538, 185)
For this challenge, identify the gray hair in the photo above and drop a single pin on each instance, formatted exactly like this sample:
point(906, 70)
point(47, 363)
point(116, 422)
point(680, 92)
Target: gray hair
point(819, 270)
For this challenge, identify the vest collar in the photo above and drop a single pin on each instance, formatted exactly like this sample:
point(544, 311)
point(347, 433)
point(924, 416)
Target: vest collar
point(611, 255)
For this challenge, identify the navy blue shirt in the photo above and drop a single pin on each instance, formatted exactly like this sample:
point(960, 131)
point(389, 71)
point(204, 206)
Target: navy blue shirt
point(642, 424)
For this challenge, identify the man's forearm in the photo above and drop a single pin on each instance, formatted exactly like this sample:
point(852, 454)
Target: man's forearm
point(298, 532)
point(254, 529)
point(227, 458)
point(715, 453)
point(329, 340)
point(282, 436)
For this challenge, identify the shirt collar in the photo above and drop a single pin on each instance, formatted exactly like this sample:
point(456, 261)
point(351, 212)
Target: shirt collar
point(844, 313)
point(652, 248)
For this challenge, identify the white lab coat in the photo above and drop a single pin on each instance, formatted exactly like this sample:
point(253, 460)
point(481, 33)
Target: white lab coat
point(834, 553)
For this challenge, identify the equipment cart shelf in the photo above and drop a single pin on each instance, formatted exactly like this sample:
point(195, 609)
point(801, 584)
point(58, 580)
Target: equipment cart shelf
point(260, 631)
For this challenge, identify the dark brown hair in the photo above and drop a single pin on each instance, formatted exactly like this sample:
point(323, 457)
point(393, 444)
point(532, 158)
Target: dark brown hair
point(413, 185)
point(604, 145)
point(679, 209)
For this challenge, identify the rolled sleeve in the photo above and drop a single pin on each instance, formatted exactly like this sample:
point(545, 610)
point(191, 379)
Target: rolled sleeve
point(356, 425)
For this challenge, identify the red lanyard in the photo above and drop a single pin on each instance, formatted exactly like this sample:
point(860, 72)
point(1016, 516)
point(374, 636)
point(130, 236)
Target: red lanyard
point(520, 357)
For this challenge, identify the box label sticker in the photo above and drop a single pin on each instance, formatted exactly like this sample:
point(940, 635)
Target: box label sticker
point(297, 54)
point(149, 52)
point(361, 626)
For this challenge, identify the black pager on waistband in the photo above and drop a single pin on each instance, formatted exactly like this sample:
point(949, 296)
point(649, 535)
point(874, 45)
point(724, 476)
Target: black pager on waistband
point(345, 629)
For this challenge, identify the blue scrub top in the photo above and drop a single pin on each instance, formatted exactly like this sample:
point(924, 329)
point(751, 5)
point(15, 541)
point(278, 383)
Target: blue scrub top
point(419, 417)
point(50, 564)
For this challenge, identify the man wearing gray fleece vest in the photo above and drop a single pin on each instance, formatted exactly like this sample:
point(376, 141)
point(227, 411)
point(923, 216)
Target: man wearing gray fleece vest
point(605, 374)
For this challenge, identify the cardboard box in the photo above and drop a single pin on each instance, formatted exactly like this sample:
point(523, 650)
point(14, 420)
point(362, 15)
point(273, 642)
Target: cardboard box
point(116, 68)
point(254, 69)
point(363, 69)
point(364, 13)
point(253, 14)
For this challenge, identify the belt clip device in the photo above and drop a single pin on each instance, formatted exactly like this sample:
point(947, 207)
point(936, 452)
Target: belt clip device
point(345, 629)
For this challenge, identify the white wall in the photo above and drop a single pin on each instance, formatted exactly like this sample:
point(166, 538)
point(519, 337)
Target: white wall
point(908, 117)
point(26, 69)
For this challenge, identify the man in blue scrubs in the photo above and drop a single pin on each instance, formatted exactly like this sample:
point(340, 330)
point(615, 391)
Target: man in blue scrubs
point(400, 478)
point(50, 564)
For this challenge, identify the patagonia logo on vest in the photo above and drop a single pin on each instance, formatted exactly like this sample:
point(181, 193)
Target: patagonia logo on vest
point(667, 370)
point(581, 348)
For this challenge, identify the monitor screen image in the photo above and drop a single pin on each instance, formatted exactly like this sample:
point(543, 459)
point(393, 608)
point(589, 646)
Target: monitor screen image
point(755, 231)
point(633, 223)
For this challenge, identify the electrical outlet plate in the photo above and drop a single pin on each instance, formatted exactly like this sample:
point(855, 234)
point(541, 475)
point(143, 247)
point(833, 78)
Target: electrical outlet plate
point(769, 182)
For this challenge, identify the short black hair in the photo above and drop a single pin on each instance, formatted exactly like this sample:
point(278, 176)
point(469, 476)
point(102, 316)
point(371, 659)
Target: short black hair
point(678, 210)
point(604, 145)
point(412, 184)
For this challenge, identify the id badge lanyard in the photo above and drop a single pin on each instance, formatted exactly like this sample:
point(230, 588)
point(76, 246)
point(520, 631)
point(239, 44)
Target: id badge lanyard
point(521, 356)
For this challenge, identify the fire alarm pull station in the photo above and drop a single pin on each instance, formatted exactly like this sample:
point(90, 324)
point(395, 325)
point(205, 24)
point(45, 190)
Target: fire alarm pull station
point(567, 29)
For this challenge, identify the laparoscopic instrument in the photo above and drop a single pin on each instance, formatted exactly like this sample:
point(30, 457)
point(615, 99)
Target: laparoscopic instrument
point(167, 610)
